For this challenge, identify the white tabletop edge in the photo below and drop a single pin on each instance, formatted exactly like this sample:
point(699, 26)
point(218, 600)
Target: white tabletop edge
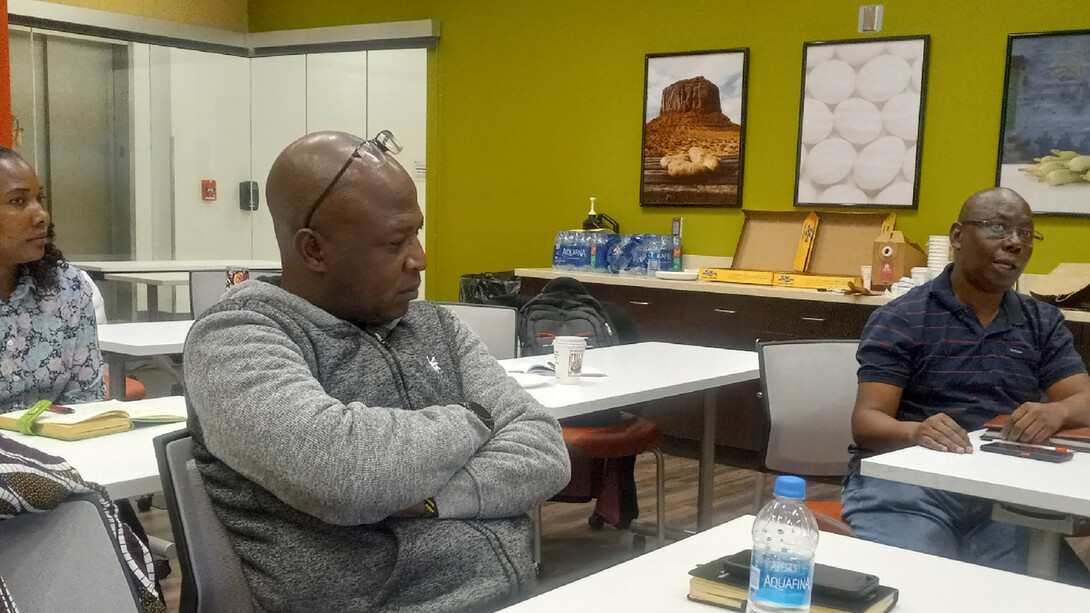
point(150, 278)
point(641, 372)
point(658, 580)
point(1063, 487)
point(124, 266)
point(144, 338)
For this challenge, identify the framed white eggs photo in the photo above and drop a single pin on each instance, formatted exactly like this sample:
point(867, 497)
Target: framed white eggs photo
point(861, 122)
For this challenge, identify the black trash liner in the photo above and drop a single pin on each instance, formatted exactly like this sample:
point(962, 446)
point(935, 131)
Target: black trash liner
point(489, 287)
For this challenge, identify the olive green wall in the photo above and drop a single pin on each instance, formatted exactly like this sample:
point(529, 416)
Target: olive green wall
point(534, 109)
point(224, 14)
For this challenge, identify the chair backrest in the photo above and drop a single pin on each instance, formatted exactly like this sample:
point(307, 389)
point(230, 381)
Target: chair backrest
point(207, 287)
point(64, 559)
point(96, 298)
point(808, 390)
point(212, 578)
point(495, 325)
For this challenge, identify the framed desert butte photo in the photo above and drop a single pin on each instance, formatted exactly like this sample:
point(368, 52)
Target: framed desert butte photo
point(694, 128)
point(1044, 142)
point(861, 122)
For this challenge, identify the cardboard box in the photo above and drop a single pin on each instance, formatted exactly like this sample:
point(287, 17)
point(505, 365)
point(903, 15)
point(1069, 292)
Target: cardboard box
point(727, 275)
point(894, 257)
point(778, 247)
point(776, 240)
point(844, 241)
point(806, 281)
point(1067, 286)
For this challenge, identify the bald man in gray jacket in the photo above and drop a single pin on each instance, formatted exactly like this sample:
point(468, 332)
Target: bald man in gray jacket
point(364, 451)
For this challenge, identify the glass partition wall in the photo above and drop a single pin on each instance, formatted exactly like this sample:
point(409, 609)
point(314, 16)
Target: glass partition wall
point(124, 136)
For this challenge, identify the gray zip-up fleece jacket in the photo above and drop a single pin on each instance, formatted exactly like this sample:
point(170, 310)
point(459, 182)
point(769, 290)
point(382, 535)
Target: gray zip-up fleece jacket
point(310, 432)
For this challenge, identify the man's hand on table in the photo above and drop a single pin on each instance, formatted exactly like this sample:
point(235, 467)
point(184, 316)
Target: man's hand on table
point(941, 433)
point(1033, 422)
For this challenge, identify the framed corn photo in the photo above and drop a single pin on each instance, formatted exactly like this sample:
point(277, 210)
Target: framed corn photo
point(694, 128)
point(1044, 143)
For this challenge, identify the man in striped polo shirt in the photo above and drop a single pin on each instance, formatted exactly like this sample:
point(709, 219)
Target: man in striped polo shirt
point(945, 358)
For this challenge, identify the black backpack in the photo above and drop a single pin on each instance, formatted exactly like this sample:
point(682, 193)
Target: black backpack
point(563, 308)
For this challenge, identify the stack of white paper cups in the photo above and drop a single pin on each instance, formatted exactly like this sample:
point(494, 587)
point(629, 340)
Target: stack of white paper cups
point(568, 357)
point(938, 253)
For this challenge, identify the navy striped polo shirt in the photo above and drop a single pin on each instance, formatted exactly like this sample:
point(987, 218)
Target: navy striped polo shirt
point(933, 346)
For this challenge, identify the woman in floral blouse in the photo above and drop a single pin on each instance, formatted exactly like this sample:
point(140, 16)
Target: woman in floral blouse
point(48, 336)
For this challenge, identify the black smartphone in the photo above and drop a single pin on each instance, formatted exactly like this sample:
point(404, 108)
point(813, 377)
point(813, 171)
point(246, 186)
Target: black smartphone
point(828, 580)
point(1029, 451)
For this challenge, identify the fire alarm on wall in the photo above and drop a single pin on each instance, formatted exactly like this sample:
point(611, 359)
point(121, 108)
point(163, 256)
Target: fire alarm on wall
point(208, 189)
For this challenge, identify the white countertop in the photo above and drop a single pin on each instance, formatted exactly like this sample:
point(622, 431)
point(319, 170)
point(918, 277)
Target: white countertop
point(659, 580)
point(736, 289)
point(713, 287)
point(1063, 487)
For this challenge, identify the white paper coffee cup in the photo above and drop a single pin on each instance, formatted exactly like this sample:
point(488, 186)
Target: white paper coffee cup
point(920, 275)
point(568, 358)
point(865, 272)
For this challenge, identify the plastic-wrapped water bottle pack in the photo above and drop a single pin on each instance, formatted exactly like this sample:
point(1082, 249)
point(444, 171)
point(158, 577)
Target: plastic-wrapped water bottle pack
point(629, 254)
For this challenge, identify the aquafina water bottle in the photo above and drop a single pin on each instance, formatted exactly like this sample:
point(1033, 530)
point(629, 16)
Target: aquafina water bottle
point(785, 537)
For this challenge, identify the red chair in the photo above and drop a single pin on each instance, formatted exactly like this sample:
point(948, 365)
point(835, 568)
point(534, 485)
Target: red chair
point(827, 514)
point(134, 390)
point(632, 436)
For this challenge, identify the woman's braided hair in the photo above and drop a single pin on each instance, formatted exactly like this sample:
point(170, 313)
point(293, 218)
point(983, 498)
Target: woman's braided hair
point(43, 271)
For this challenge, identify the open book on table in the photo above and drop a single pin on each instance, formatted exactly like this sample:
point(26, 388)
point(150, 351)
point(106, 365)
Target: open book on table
point(98, 418)
point(1075, 439)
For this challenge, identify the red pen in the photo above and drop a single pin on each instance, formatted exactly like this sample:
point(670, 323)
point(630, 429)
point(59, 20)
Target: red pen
point(56, 408)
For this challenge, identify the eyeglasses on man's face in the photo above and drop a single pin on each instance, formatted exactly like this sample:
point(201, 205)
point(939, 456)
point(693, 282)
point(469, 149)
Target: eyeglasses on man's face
point(371, 151)
point(997, 228)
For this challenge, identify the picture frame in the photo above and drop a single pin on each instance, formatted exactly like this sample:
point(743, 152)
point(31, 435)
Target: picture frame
point(861, 112)
point(1045, 119)
point(693, 146)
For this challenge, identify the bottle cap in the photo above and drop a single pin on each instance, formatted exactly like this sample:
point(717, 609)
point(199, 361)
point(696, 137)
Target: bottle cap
point(790, 487)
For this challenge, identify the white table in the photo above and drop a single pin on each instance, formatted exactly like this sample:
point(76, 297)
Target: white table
point(144, 339)
point(123, 463)
point(123, 266)
point(659, 580)
point(651, 371)
point(152, 280)
point(1059, 488)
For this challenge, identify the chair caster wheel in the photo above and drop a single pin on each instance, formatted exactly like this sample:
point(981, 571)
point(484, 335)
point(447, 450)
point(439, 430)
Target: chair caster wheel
point(596, 521)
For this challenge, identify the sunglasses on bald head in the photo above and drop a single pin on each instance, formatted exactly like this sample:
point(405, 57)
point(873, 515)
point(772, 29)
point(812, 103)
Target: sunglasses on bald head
point(371, 151)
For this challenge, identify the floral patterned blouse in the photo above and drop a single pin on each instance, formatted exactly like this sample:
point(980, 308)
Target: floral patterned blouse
point(49, 343)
